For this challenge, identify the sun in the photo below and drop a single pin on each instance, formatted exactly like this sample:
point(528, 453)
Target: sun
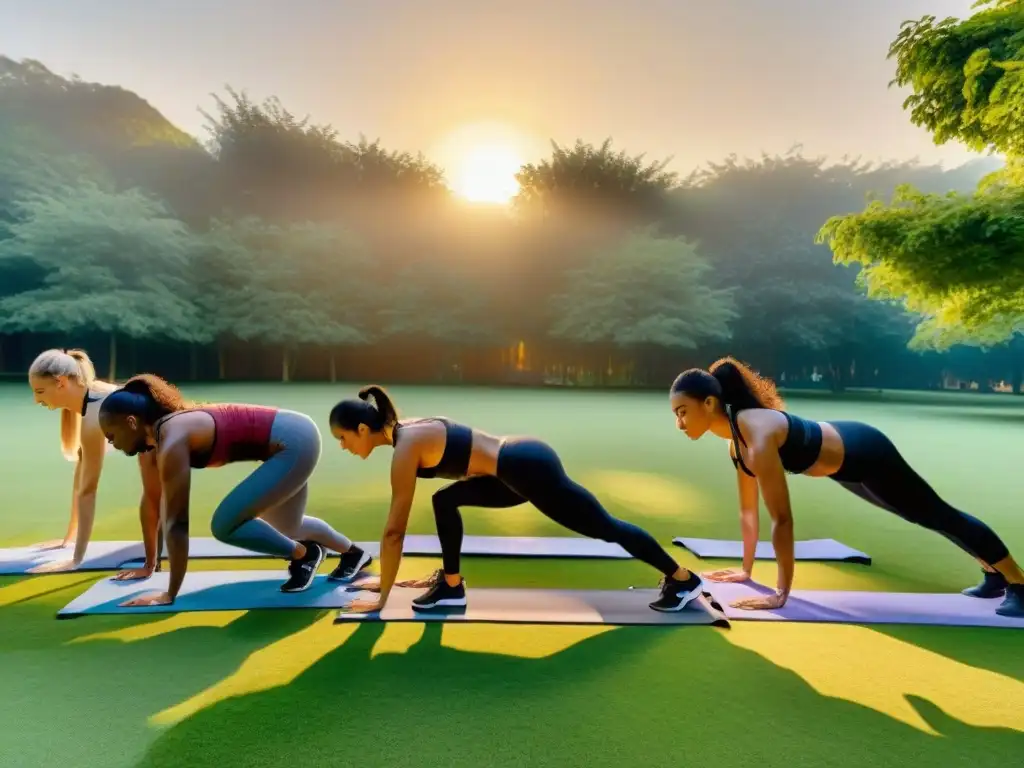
point(487, 174)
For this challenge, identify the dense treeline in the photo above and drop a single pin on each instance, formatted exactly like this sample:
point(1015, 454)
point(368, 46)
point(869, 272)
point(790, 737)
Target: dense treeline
point(279, 249)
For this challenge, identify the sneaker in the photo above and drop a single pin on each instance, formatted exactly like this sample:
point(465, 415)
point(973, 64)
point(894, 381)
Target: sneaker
point(302, 571)
point(994, 585)
point(1013, 605)
point(352, 562)
point(440, 595)
point(676, 595)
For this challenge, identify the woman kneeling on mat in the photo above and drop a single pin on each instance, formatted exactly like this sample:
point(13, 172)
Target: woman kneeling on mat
point(265, 513)
point(67, 380)
point(490, 472)
point(734, 403)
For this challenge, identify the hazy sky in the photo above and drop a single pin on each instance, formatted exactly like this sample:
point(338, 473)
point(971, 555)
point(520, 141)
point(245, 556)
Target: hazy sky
point(695, 80)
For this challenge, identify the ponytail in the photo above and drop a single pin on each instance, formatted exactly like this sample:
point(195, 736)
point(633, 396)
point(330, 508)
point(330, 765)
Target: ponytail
point(381, 402)
point(742, 388)
point(147, 397)
point(735, 385)
point(380, 413)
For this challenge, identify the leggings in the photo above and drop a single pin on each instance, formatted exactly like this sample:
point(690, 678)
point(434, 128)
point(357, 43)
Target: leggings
point(266, 512)
point(874, 470)
point(530, 471)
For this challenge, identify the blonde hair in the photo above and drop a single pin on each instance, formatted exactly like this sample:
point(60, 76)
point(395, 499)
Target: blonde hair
point(76, 365)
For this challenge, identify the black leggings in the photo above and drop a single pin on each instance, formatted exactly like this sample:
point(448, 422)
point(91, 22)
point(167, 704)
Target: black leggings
point(530, 471)
point(874, 470)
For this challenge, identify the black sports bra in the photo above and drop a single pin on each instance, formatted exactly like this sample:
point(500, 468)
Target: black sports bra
point(88, 398)
point(798, 453)
point(458, 447)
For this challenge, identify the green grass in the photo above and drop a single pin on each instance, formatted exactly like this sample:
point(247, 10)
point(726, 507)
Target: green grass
point(273, 688)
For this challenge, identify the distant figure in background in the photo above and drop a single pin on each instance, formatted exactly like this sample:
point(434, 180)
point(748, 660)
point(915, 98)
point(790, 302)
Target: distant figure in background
point(490, 472)
point(265, 513)
point(734, 403)
point(66, 380)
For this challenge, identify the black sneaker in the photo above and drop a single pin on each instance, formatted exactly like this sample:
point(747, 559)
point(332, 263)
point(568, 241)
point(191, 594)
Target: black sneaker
point(440, 595)
point(352, 562)
point(303, 571)
point(994, 585)
point(676, 595)
point(1013, 605)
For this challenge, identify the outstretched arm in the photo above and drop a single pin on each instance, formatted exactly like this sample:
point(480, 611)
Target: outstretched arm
point(403, 490)
point(83, 502)
point(149, 518)
point(749, 526)
point(772, 480)
point(175, 483)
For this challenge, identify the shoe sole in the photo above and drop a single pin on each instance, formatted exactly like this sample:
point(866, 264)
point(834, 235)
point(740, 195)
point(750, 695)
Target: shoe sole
point(312, 578)
point(448, 602)
point(682, 603)
point(364, 561)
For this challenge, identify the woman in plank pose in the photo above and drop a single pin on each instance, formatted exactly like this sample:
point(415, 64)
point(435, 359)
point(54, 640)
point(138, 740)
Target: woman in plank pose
point(490, 472)
point(66, 380)
point(765, 442)
point(265, 513)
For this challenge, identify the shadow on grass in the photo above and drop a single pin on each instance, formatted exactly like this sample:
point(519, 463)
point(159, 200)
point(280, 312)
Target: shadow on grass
point(997, 651)
point(636, 695)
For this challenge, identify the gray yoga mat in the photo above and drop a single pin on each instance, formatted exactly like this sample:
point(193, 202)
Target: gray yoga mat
point(483, 546)
point(112, 555)
point(254, 590)
point(946, 609)
point(99, 556)
point(810, 549)
point(545, 606)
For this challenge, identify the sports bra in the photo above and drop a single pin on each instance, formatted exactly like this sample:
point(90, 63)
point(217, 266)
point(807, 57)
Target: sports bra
point(89, 398)
point(240, 433)
point(458, 447)
point(798, 453)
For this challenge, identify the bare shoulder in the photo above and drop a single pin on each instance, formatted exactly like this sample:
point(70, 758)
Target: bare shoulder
point(762, 424)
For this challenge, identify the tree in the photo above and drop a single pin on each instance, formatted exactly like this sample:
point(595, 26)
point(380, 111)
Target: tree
point(643, 295)
point(286, 285)
point(956, 259)
point(113, 262)
point(756, 221)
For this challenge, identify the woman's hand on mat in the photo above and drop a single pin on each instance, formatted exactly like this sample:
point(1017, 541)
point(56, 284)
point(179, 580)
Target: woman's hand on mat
point(56, 566)
point(360, 605)
point(369, 584)
point(765, 603)
point(153, 598)
point(133, 574)
point(728, 575)
point(44, 546)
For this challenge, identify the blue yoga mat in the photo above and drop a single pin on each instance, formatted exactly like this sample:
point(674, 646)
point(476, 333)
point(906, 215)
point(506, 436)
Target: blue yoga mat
point(810, 549)
point(256, 590)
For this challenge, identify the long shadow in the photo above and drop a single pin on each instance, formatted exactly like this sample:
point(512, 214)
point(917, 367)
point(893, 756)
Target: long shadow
point(59, 695)
point(624, 697)
point(1000, 652)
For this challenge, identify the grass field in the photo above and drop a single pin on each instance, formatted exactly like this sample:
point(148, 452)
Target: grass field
point(289, 687)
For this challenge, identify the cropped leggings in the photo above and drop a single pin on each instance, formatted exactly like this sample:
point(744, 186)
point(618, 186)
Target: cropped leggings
point(874, 470)
point(266, 512)
point(529, 471)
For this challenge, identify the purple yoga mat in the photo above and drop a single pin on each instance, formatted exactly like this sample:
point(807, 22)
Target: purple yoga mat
point(866, 607)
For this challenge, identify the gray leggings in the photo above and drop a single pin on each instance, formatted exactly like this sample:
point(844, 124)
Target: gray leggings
point(266, 512)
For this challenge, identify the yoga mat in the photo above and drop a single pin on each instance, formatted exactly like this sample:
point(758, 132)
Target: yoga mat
point(249, 590)
point(945, 609)
point(545, 606)
point(811, 549)
point(490, 546)
point(99, 556)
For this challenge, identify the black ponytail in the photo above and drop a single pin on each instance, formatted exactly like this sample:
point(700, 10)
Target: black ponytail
point(380, 413)
point(733, 383)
